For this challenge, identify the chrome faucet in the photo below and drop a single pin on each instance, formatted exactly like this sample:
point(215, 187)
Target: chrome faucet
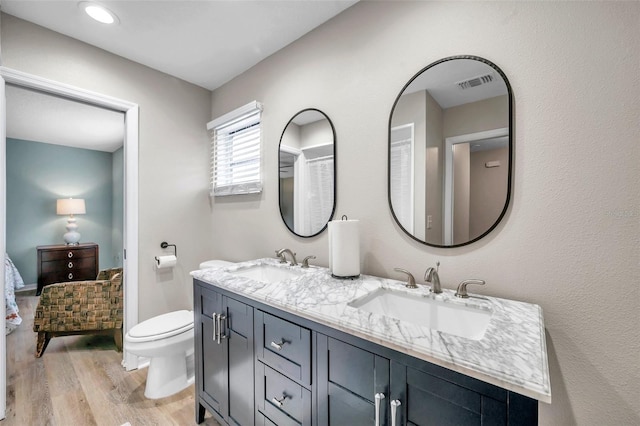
point(411, 282)
point(462, 287)
point(281, 255)
point(305, 261)
point(431, 276)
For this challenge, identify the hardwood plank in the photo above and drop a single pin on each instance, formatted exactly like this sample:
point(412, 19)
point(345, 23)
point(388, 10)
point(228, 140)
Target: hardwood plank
point(80, 381)
point(28, 396)
point(69, 404)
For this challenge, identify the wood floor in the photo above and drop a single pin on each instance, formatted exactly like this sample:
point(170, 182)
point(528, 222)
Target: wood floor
point(79, 381)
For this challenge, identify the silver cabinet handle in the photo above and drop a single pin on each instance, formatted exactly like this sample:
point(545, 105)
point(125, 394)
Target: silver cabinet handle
point(220, 335)
point(214, 326)
point(70, 265)
point(70, 276)
point(70, 254)
point(394, 406)
point(379, 397)
point(279, 402)
point(277, 346)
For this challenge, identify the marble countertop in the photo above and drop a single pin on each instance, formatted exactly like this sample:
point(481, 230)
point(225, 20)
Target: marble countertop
point(512, 353)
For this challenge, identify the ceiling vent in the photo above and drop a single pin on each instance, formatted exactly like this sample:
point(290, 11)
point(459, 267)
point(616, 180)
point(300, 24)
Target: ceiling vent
point(475, 81)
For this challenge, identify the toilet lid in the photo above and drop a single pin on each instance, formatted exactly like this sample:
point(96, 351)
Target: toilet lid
point(162, 326)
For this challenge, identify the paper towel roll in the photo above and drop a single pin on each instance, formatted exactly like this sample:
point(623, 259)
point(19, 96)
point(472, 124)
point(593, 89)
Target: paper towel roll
point(344, 248)
point(166, 261)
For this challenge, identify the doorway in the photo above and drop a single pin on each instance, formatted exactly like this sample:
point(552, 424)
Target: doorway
point(455, 193)
point(130, 232)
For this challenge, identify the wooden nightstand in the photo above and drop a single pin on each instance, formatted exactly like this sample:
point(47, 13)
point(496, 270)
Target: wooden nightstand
point(62, 263)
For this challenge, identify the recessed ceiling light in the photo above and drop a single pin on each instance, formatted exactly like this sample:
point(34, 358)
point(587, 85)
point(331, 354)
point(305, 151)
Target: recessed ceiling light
point(99, 12)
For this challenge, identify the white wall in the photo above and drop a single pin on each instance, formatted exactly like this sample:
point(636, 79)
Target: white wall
point(173, 149)
point(570, 241)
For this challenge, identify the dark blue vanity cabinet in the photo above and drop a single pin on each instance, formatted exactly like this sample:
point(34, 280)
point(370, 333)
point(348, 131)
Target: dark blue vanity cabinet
point(224, 357)
point(288, 371)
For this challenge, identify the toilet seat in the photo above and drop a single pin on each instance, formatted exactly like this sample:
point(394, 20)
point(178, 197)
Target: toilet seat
point(162, 326)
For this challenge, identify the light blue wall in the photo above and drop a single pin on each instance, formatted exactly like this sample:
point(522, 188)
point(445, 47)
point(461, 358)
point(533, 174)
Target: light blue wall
point(37, 175)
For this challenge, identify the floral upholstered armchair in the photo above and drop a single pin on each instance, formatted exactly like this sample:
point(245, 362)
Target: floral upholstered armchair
point(80, 307)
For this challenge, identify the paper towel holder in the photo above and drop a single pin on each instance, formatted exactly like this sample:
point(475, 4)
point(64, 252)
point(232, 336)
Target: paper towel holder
point(164, 245)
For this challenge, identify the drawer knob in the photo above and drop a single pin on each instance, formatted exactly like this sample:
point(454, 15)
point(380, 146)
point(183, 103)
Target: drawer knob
point(70, 254)
point(70, 265)
point(70, 276)
point(277, 346)
point(279, 402)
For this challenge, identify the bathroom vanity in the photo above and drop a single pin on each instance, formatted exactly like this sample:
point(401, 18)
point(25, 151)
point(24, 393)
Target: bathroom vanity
point(282, 345)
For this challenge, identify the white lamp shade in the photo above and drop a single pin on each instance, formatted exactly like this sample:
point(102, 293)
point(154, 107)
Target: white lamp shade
point(66, 206)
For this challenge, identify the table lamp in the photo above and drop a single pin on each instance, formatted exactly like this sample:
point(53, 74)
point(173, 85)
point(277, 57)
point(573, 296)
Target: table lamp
point(71, 206)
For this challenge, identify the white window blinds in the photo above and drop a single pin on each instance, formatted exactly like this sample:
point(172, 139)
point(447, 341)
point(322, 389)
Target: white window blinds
point(235, 151)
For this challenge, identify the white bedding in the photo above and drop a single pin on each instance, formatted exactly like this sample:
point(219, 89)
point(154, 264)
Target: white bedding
point(12, 282)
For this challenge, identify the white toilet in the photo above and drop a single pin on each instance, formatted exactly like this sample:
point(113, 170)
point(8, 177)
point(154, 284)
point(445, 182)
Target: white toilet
point(167, 340)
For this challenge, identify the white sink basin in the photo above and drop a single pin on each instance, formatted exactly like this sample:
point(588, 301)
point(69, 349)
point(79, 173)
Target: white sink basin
point(267, 273)
point(448, 317)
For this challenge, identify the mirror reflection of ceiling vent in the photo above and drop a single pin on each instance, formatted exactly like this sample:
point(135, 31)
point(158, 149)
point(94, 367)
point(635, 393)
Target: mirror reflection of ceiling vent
point(475, 81)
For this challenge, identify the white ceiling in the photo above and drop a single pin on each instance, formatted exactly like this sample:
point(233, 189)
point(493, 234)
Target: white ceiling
point(442, 80)
point(38, 117)
point(205, 42)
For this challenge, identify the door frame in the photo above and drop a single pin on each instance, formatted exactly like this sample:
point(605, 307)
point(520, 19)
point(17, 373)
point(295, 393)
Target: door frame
point(130, 253)
point(448, 173)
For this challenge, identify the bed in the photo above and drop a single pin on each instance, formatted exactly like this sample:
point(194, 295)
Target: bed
point(12, 282)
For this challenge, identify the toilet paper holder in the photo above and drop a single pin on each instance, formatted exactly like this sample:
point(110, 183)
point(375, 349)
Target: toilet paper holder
point(164, 245)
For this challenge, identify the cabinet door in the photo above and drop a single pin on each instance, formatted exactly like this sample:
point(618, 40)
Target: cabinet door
point(213, 355)
point(239, 336)
point(428, 399)
point(348, 380)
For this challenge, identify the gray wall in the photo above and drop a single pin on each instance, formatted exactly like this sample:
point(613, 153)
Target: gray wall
point(570, 241)
point(173, 150)
point(37, 175)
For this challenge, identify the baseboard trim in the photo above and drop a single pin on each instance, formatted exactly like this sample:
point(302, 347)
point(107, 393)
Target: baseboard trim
point(27, 288)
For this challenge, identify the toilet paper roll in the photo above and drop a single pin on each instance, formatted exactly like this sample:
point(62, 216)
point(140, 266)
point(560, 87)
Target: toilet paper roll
point(344, 248)
point(163, 262)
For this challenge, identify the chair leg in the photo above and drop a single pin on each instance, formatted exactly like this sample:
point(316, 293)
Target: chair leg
point(43, 341)
point(117, 337)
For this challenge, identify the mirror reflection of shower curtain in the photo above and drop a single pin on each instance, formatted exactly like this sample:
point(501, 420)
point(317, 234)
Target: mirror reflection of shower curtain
point(318, 198)
point(299, 194)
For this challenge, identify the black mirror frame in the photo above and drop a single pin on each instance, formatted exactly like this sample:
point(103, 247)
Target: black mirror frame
point(511, 130)
point(335, 173)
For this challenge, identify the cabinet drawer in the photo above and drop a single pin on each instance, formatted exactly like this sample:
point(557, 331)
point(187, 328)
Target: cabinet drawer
point(48, 255)
point(68, 264)
point(282, 400)
point(64, 276)
point(286, 347)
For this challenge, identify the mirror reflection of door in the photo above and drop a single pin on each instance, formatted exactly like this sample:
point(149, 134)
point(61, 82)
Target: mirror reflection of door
point(453, 185)
point(307, 173)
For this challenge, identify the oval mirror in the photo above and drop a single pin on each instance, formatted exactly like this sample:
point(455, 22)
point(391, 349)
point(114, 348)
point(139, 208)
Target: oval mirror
point(450, 152)
point(307, 173)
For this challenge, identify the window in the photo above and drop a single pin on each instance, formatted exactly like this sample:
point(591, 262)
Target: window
point(235, 151)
